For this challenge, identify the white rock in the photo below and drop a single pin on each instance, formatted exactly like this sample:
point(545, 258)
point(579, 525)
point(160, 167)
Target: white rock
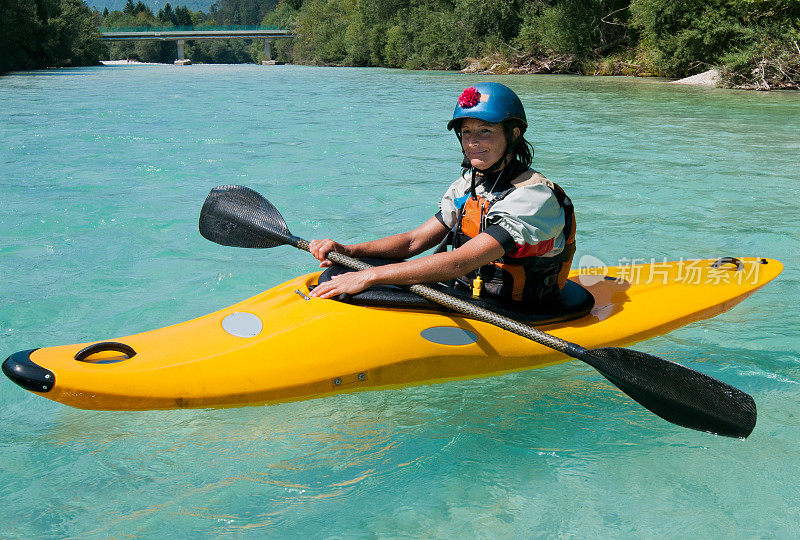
point(708, 78)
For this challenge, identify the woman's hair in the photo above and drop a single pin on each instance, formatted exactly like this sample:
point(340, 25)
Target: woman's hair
point(521, 148)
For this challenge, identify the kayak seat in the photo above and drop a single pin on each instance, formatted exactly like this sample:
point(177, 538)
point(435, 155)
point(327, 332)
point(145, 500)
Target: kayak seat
point(573, 302)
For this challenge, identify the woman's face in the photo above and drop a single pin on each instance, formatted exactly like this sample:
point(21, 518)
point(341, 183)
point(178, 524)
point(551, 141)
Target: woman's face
point(483, 143)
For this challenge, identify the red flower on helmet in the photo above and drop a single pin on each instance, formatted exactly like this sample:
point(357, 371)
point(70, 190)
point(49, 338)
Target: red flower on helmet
point(469, 98)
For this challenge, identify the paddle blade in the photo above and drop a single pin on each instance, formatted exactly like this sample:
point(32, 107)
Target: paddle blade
point(240, 217)
point(678, 394)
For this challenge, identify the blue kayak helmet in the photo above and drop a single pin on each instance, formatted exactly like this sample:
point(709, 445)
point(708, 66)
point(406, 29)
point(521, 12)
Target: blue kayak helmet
point(491, 102)
point(497, 104)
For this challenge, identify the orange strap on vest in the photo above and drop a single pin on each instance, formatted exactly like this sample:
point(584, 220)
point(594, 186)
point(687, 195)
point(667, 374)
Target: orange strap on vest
point(475, 211)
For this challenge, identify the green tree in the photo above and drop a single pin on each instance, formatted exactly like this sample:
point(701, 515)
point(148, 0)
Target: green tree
point(19, 30)
point(284, 14)
point(183, 17)
point(166, 16)
point(48, 33)
point(500, 19)
point(322, 27)
point(142, 8)
point(582, 27)
point(441, 39)
point(399, 46)
point(75, 38)
point(233, 51)
point(247, 12)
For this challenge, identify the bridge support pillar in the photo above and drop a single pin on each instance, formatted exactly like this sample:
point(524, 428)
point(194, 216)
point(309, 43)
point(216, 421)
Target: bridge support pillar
point(268, 49)
point(180, 49)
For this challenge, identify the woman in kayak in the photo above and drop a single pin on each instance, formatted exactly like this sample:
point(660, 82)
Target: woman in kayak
point(510, 229)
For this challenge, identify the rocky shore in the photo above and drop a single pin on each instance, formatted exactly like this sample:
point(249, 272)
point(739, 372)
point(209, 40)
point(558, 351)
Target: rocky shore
point(570, 64)
point(708, 79)
point(497, 64)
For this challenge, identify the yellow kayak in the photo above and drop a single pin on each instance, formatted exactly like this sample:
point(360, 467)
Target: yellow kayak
point(281, 346)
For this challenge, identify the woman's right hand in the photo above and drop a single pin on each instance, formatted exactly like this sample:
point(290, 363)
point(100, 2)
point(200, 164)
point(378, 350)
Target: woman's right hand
point(320, 249)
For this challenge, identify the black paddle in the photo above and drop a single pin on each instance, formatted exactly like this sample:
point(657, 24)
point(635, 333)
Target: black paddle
point(240, 217)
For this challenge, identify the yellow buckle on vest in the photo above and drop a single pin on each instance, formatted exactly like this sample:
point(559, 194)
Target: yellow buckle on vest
point(477, 286)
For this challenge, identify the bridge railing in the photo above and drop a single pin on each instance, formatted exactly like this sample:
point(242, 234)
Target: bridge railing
point(187, 28)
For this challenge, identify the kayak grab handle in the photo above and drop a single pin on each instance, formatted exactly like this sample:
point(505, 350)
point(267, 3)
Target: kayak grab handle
point(728, 260)
point(86, 352)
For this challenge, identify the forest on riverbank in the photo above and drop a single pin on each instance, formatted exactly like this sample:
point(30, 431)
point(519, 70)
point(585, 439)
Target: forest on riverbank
point(755, 43)
point(36, 34)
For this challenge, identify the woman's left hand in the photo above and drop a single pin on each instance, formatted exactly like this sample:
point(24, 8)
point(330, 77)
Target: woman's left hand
point(349, 283)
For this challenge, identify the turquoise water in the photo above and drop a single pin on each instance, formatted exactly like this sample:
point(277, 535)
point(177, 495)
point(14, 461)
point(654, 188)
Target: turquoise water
point(102, 175)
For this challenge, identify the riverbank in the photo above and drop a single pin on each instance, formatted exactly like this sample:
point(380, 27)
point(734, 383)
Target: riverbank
point(763, 79)
point(551, 65)
point(569, 64)
point(130, 62)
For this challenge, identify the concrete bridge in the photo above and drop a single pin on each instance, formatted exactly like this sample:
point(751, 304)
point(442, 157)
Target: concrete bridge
point(183, 33)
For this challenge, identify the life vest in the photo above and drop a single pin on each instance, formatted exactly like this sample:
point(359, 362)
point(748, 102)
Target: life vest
point(529, 279)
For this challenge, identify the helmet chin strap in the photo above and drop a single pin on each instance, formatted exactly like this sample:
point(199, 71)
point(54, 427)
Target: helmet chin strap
point(498, 165)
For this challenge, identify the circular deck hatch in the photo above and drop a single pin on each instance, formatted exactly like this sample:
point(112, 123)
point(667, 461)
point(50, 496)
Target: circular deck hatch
point(449, 335)
point(242, 324)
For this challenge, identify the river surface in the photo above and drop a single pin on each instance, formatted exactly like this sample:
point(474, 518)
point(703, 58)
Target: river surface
point(102, 175)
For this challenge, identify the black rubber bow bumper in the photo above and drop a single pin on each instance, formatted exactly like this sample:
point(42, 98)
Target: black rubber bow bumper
point(22, 370)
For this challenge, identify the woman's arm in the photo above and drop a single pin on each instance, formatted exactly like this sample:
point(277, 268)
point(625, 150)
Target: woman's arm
point(398, 246)
point(437, 267)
